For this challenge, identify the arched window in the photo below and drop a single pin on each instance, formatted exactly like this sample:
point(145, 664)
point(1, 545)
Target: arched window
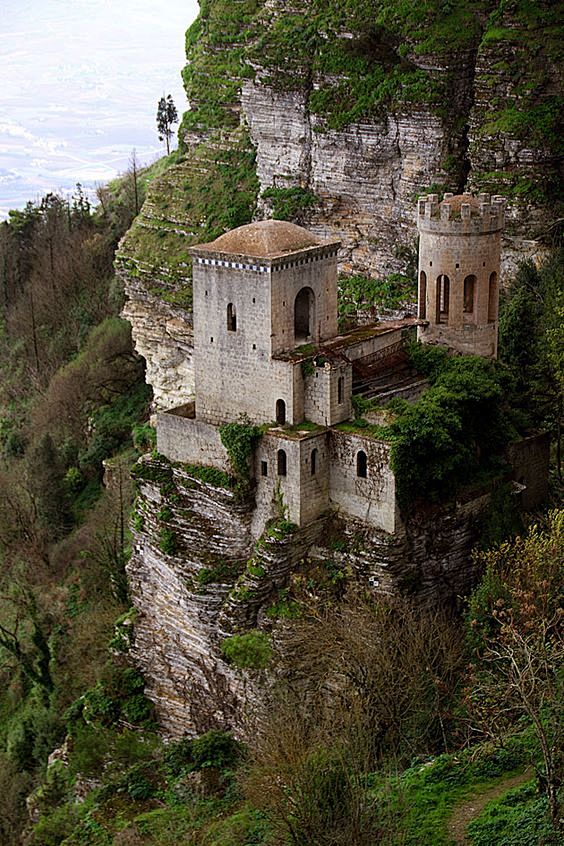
point(422, 295)
point(443, 297)
point(304, 315)
point(281, 462)
point(341, 390)
point(231, 318)
point(469, 293)
point(280, 412)
point(492, 298)
point(313, 463)
point(361, 464)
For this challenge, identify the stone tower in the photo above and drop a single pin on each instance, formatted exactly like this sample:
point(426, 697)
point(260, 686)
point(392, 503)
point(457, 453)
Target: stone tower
point(260, 291)
point(459, 264)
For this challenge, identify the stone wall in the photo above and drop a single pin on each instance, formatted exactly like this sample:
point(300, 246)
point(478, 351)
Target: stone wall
point(316, 270)
point(460, 247)
point(304, 494)
point(530, 458)
point(190, 441)
point(325, 403)
point(371, 499)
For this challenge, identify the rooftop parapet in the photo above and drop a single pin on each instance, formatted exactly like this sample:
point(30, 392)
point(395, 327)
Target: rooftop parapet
point(461, 214)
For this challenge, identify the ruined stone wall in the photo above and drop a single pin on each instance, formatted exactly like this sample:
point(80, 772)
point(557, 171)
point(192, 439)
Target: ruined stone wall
point(371, 499)
point(530, 458)
point(190, 441)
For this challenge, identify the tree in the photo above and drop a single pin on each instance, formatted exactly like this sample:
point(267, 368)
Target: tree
point(515, 620)
point(166, 116)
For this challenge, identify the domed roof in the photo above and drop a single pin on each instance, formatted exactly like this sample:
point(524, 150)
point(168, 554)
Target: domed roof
point(456, 202)
point(263, 239)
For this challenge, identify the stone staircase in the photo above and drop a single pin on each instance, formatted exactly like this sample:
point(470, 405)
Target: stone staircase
point(387, 377)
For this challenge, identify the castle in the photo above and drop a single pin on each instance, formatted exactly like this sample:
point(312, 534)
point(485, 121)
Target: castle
point(267, 349)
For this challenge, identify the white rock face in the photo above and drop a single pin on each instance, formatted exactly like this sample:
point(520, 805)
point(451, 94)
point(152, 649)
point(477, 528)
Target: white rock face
point(365, 176)
point(163, 335)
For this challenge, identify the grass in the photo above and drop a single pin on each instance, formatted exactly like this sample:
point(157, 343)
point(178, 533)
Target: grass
point(430, 792)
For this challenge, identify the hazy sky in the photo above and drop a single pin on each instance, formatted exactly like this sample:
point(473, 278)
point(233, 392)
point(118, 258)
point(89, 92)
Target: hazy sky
point(79, 86)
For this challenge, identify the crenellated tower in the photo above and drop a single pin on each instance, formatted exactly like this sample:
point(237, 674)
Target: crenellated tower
point(459, 265)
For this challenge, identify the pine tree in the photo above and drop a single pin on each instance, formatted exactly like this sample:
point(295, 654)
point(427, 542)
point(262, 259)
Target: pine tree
point(166, 116)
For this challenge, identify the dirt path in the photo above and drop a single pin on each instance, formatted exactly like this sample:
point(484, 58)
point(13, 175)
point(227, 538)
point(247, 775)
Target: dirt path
point(472, 807)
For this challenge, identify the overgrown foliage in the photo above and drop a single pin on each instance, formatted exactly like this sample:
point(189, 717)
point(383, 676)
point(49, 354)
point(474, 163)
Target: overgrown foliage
point(456, 431)
point(515, 623)
point(531, 343)
point(239, 439)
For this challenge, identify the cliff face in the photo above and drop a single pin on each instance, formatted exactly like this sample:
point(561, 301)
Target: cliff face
point(197, 577)
point(337, 115)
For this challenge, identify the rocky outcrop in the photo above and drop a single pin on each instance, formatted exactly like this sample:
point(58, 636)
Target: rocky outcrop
point(197, 576)
point(163, 336)
point(364, 177)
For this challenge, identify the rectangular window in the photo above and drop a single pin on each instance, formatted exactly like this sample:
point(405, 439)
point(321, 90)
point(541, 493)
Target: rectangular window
point(264, 468)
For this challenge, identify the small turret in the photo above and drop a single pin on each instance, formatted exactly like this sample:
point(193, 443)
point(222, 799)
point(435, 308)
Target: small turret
point(459, 262)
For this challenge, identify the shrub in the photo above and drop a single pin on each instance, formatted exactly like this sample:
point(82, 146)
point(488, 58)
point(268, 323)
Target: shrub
point(168, 541)
point(248, 651)
point(454, 431)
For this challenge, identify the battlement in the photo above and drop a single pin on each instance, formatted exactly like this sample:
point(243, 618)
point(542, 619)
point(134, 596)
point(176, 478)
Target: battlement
point(461, 214)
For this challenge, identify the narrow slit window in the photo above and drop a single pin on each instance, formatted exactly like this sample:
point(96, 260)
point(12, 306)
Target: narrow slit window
point(313, 463)
point(492, 298)
point(231, 318)
point(361, 464)
point(264, 468)
point(341, 390)
point(443, 298)
point(422, 295)
point(282, 462)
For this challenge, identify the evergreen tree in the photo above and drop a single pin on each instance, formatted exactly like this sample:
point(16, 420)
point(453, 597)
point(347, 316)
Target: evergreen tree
point(166, 116)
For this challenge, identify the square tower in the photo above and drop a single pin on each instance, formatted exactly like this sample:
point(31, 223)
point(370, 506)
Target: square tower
point(259, 291)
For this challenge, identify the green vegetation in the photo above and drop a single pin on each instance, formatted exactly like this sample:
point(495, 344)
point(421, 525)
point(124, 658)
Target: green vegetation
point(211, 192)
point(457, 430)
point(71, 392)
point(360, 295)
point(209, 475)
point(239, 440)
point(531, 343)
point(290, 203)
point(518, 817)
point(248, 651)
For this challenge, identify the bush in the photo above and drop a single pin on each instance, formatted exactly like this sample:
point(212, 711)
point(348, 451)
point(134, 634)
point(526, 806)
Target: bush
point(213, 749)
point(248, 651)
point(455, 431)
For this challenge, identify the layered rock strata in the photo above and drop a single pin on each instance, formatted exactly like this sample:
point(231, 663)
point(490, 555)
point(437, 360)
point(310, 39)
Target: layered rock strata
point(196, 577)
